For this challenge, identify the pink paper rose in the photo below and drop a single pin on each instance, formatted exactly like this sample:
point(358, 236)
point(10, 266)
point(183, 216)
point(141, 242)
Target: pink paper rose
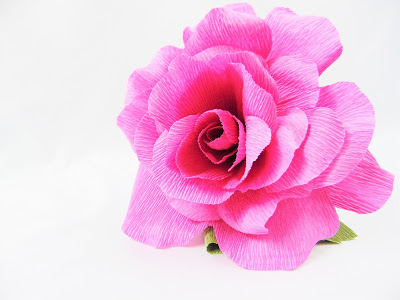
point(234, 132)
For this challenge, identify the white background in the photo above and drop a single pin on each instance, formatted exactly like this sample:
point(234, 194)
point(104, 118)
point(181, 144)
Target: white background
point(67, 171)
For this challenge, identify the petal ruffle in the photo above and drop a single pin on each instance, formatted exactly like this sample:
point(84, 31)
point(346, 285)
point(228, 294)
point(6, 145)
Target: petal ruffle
point(145, 138)
point(296, 78)
point(249, 212)
point(152, 221)
point(255, 100)
point(314, 37)
point(224, 26)
point(252, 65)
point(276, 158)
point(144, 79)
point(323, 142)
point(357, 116)
point(294, 229)
point(190, 87)
point(365, 189)
point(242, 8)
point(130, 117)
point(195, 211)
point(174, 185)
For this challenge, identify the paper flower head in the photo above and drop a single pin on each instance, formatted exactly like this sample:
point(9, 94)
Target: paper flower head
point(234, 132)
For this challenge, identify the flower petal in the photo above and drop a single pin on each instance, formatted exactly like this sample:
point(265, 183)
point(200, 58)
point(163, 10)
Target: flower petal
point(294, 229)
point(174, 185)
point(314, 37)
point(130, 117)
point(242, 8)
point(357, 116)
point(192, 162)
point(255, 100)
point(195, 211)
point(258, 136)
point(145, 138)
point(296, 78)
point(252, 63)
point(365, 189)
point(224, 26)
point(152, 221)
point(190, 87)
point(249, 212)
point(144, 79)
point(178, 131)
point(276, 158)
point(324, 140)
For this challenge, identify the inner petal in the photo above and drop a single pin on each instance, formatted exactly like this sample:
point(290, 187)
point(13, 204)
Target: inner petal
point(216, 156)
point(215, 132)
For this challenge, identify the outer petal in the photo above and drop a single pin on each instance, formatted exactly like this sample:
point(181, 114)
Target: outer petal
point(365, 190)
point(224, 26)
point(321, 145)
point(195, 211)
point(238, 7)
point(357, 116)
point(297, 81)
point(296, 226)
point(242, 8)
point(130, 117)
point(249, 212)
point(276, 158)
point(152, 221)
point(314, 37)
point(145, 79)
point(145, 138)
point(175, 186)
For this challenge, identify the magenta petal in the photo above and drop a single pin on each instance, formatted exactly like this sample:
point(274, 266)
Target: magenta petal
point(195, 211)
point(178, 131)
point(294, 229)
point(190, 87)
point(144, 79)
point(314, 37)
point(152, 221)
point(220, 143)
point(242, 8)
point(324, 140)
point(187, 33)
point(365, 189)
point(258, 136)
point(253, 65)
point(255, 100)
point(130, 117)
point(174, 185)
point(296, 78)
point(248, 212)
point(192, 162)
point(224, 26)
point(357, 116)
point(276, 158)
point(145, 138)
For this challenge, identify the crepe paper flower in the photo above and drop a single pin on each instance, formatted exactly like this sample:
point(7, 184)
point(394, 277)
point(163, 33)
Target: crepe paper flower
point(233, 132)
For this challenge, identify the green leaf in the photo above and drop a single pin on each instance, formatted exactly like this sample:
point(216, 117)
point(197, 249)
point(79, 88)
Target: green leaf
point(211, 241)
point(343, 234)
